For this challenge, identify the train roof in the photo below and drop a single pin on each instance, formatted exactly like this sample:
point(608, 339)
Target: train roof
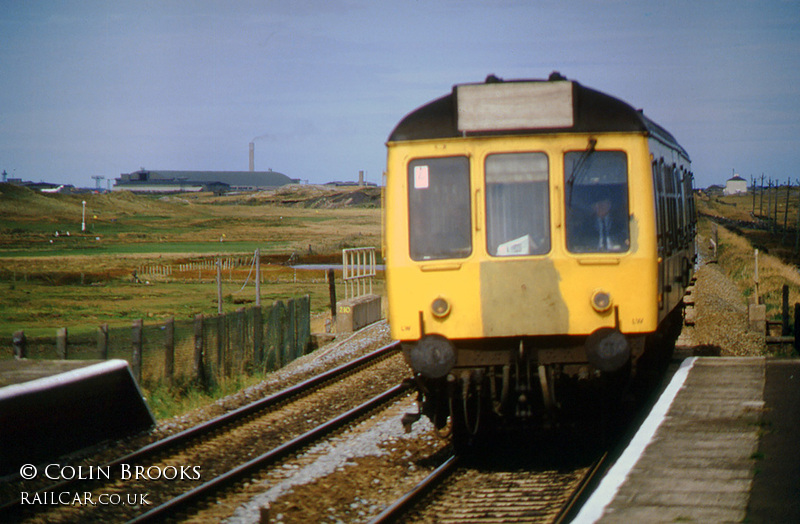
point(499, 107)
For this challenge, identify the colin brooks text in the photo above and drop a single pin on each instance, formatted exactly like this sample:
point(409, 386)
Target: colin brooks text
point(122, 472)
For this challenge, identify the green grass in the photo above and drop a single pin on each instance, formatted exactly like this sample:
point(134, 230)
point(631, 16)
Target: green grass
point(39, 308)
point(78, 282)
point(168, 401)
point(93, 247)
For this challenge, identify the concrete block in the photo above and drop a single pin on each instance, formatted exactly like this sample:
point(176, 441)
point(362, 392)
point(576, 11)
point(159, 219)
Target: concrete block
point(757, 318)
point(354, 313)
point(54, 414)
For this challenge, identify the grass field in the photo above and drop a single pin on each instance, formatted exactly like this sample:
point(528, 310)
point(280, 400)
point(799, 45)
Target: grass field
point(737, 244)
point(54, 275)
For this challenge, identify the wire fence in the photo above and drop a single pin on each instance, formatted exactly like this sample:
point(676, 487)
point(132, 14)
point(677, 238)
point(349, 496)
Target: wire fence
point(205, 349)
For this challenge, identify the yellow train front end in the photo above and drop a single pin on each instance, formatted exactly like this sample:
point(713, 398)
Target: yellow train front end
point(545, 287)
point(530, 253)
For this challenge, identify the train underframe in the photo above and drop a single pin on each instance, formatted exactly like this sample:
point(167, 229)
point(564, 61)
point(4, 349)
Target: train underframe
point(537, 381)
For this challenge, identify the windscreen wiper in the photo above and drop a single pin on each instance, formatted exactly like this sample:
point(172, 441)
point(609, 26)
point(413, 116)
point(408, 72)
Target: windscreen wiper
point(578, 168)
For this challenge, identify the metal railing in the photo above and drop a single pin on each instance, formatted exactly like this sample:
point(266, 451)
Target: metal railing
point(358, 271)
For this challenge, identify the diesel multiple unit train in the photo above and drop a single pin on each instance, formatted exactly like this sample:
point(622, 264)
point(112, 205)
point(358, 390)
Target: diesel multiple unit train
point(537, 234)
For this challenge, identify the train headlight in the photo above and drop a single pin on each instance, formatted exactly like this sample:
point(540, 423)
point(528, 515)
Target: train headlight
point(440, 308)
point(601, 300)
point(432, 357)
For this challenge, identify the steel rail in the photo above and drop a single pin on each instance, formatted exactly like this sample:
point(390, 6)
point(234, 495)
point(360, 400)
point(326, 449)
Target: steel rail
point(401, 506)
point(222, 420)
point(269, 457)
point(254, 407)
point(577, 498)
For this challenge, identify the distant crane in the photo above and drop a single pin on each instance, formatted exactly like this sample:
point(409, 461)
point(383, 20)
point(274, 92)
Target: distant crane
point(97, 179)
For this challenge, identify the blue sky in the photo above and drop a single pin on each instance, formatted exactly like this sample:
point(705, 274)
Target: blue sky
point(106, 87)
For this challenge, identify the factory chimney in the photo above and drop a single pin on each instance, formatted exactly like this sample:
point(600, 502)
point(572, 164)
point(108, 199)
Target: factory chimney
point(252, 157)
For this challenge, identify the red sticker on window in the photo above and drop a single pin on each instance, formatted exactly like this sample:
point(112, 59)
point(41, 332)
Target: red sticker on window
point(421, 177)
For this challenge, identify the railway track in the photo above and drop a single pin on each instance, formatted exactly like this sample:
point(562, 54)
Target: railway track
point(456, 492)
point(206, 459)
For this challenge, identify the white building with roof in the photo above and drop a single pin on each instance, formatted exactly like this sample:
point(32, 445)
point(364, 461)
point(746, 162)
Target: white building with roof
point(735, 185)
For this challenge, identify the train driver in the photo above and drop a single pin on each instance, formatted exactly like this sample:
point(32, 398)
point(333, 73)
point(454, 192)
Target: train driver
point(597, 202)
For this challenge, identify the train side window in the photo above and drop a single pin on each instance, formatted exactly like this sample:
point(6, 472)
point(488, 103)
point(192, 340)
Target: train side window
point(672, 199)
point(681, 178)
point(596, 194)
point(691, 205)
point(660, 204)
point(666, 199)
point(517, 204)
point(439, 212)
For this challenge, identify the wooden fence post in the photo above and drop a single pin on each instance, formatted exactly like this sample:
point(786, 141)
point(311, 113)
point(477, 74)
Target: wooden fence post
point(797, 328)
point(102, 341)
point(786, 211)
point(61, 343)
point(240, 348)
point(289, 331)
point(775, 212)
point(219, 287)
point(332, 293)
point(785, 331)
point(258, 277)
point(275, 331)
point(169, 349)
point(304, 324)
point(258, 336)
point(20, 344)
point(797, 226)
point(222, 346)
point(136, 342)
point(199, 372)
point(769, 205)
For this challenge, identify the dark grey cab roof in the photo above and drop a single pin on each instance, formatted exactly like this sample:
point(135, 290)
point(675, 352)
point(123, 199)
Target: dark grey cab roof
point(594, 112)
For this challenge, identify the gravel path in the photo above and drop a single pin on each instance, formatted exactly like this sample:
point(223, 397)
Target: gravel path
point(721, 325)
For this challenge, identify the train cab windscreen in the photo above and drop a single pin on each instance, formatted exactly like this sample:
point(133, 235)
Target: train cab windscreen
point(517, 204)
point(439, 212)
point(596, 201)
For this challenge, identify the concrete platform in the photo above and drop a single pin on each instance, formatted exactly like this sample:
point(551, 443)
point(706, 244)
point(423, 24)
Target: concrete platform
point(50, 408)
point(722, 444)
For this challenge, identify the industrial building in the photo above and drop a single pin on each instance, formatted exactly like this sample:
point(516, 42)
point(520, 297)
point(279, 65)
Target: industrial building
point(147, 181)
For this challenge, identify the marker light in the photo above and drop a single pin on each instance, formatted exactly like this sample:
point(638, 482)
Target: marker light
point(440, 308)
point(601, 301)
